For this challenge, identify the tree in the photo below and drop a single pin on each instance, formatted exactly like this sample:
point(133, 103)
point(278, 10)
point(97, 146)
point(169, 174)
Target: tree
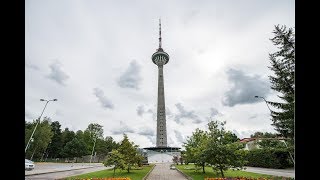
point(111, 144)
point(283, 66)
point(129, 151)
point(222, 151)
point(95, 130)
point(66, 137)
point(195, 148)
point(268, 140)
point(114, 158)
point(55, 146)
point(41, 137)
point(74, 148)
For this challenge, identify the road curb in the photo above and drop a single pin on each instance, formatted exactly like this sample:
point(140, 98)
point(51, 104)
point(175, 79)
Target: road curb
point(58, 171)
point(188, 177)
point(147, 175)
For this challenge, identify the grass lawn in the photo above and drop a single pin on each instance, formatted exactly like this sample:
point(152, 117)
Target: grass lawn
point(135, 174)
point(190, 171)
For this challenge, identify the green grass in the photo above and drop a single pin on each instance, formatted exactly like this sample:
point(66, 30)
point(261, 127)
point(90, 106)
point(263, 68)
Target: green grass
point(198, 175)
point(135, 174)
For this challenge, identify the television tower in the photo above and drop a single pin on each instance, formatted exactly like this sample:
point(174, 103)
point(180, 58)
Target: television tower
point(160, 58)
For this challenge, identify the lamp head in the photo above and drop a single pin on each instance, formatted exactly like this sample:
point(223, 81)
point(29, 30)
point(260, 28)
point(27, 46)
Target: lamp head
point(256, 96)
point(55, 99)
point(42, 100)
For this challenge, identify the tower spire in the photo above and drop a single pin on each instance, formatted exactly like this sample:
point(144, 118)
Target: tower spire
point(160, 34)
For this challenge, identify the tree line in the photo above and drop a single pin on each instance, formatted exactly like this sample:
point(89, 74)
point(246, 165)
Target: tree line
point(50, 141)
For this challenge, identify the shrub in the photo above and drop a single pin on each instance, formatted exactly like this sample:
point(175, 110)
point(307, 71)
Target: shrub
point(269, 158)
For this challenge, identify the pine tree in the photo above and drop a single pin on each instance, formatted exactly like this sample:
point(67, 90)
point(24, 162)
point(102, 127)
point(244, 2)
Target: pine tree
point(283, 66)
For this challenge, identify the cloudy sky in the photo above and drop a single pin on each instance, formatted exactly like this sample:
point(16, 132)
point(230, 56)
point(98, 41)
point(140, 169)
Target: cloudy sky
point(95, 58)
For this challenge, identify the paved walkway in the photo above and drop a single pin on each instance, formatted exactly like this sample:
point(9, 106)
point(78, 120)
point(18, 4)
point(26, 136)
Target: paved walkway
point(273, 172)
point(162, 171)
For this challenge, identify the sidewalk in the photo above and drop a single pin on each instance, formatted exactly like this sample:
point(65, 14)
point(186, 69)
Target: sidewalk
point(43, 168)
point(162, 171)
point(274, 172)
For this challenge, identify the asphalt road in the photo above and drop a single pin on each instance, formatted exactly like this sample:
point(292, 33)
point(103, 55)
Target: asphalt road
point(273, 172)
point(62, 170)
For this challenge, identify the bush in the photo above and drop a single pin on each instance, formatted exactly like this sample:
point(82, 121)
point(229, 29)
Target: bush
point(269, 158)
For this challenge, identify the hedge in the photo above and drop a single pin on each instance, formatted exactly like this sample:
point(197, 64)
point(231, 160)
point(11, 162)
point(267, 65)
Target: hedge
point(269, 158)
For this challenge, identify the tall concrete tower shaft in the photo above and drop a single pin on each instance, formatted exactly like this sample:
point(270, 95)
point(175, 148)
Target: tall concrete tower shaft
point(160, 58)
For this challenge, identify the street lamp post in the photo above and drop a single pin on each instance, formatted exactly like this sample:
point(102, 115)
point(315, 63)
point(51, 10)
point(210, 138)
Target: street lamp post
point(47, 101)
point(271, 112)
point(264, 101)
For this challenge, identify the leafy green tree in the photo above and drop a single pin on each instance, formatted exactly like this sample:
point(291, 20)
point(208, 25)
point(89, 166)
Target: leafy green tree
point(104, 146)
point(96, 133)
point(283, 66)
point(115, 159)
point(268, 140)
point(28, 127)
point(129, 151)
point(87, 138)
point(257, 134)
point(55, 146)
point(74, 148)
point(95, 130)
point(80, 135)
point(41, 137)
point(195, 148)
point(222, 151)
point(111, 144)
point(66, 137)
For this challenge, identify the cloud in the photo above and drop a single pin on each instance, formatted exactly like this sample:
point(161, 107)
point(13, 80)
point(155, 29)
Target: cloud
point(131, 77)
point(179, 137)
point(244, 88)
point(123, 128)
point(185, 114)
point(243, 134)
point(31, 66)
point(146, 132)
point(57, 74)
point(214, 112)
point(29, 115)
point(105, 102)
point(152, 140)
point(253, 116)
point(59, 113)
point(140, 110)
point(169, 114)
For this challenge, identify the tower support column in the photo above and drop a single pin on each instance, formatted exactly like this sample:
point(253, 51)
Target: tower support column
point(161, 112)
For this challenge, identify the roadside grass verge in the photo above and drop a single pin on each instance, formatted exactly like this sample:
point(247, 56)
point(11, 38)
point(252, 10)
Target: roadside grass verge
point(198, 175)
point(135, 174)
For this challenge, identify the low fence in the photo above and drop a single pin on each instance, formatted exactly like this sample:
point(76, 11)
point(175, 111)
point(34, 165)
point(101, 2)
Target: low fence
point(84, 159)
